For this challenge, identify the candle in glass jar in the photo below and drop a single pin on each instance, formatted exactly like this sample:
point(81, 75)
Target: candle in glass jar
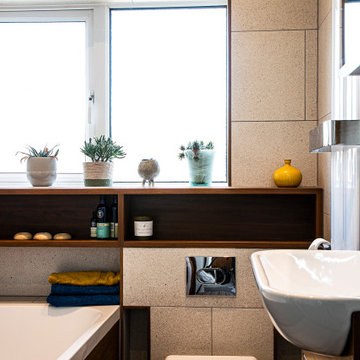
point(143, 227)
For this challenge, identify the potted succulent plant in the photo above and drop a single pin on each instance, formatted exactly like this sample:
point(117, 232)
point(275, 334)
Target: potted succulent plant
point(200, 159)
point(41, 165)
point(101, 152)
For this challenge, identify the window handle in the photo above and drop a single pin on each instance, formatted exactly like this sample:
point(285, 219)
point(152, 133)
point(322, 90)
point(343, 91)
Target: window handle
point(91, 99)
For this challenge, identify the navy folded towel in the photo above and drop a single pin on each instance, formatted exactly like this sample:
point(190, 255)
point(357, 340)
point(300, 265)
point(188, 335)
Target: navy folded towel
point(82, 300)
point(60, 289)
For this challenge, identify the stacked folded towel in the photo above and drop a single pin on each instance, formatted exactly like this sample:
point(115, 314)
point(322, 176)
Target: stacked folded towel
point(81, 288)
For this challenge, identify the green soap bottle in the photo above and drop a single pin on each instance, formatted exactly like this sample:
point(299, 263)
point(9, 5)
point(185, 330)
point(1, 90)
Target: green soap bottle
point(102, 226)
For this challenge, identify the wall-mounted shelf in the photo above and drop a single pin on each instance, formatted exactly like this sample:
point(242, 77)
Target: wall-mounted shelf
point(218, 244)
point(51, 213)
point(60, 243)
point(183, 217)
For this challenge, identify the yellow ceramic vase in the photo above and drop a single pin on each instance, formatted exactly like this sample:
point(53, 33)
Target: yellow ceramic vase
point(287, 175)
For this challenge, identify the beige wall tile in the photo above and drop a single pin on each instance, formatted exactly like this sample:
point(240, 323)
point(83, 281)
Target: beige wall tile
point(20, 299)
point(153, 277)
point(268, 75)
point(156, 277)
point(273, 15)
point(324, 169)
point(247, 292)
point(242, 332)
point(311, 75)
point(325, 7)
point(180, 331)
point(327, 227)
point(324, 102)
point(259, 148)
point(25, 271)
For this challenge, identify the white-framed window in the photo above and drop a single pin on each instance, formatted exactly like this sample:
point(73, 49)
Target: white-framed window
point(57, 56)
point(44, 72)
point(169, 86)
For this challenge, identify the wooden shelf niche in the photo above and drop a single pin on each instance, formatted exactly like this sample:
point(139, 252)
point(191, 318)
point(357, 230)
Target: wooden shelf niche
point(226, 220)
point(51, 213)
point(185, 217)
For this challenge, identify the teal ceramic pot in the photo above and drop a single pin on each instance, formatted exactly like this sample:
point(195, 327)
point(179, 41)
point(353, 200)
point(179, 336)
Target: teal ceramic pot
point(200, 170)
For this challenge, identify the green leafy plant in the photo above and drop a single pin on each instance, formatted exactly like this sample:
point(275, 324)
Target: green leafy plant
point(195, 146)
point(45, 152)
point(101, 149)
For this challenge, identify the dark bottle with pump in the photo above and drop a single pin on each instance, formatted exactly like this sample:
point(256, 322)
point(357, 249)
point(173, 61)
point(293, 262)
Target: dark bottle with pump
point(102, 226)
point(93, 224)
point(114, 219)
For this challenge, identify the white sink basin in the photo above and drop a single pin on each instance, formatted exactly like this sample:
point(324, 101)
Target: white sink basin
point(310, 295)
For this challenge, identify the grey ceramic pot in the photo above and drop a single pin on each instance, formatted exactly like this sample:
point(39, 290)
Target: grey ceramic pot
point(41, 171)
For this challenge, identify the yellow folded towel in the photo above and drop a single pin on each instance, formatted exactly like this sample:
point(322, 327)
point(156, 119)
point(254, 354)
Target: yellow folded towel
point(84, 278)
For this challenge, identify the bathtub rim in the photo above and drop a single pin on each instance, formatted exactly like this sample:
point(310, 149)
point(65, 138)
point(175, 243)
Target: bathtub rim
point(86, 342)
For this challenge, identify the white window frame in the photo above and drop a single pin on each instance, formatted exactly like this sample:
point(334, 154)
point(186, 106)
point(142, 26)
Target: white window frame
point(345, 89)
point(59, 15)
point(97, 19)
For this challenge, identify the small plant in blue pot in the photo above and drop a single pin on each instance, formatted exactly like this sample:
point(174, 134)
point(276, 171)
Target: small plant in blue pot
point(200, 159)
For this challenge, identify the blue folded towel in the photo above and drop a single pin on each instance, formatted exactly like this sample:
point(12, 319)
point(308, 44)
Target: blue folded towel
point(60, 289)
point(83, 300)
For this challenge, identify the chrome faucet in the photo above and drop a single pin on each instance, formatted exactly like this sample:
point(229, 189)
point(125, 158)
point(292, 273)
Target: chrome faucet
point(320, 244)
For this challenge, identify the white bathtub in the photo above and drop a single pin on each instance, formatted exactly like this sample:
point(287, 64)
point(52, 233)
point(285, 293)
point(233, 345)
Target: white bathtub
point(36, 331)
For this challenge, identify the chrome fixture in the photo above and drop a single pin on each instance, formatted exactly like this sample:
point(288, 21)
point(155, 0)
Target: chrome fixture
point(320, 244)
point(206, 275)
point(334, 132)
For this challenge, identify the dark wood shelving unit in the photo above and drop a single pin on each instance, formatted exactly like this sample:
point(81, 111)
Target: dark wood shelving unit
point(223, 218)
point(60, 243)
point(183, 217)
point(216, 244)
point(55, 213)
